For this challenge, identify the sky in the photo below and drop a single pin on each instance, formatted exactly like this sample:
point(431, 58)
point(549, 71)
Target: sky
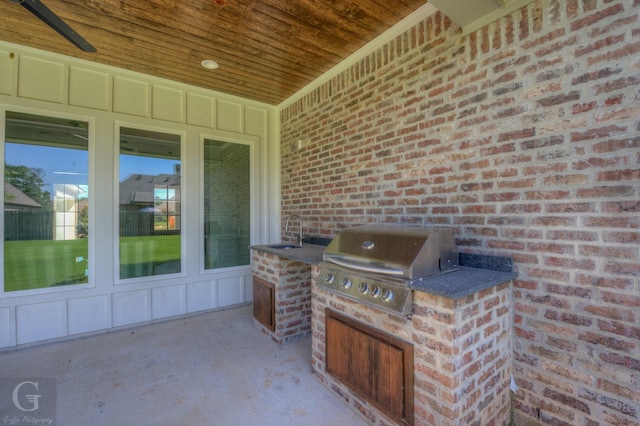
point(63, 165)
point(60, 165)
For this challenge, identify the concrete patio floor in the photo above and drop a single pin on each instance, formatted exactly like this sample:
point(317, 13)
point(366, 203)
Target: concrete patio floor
point(214, 368)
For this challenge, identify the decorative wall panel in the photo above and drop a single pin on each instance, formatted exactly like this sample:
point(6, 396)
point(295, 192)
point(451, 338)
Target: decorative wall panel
point(41, 79)
point(200, 110)
point(130, 307)
point(229, 116)
point(168, 104)
point(40, 321)
point(89, 88)
point(130, 97)
point(200, 296)
point(88, 314)
point(167, 301)
point(230, 291)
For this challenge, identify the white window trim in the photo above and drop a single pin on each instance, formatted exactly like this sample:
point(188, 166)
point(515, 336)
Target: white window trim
point(254, 180)
point(116, 205)
point(91, 281)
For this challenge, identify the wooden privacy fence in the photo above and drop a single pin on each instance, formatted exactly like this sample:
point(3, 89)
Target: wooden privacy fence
point(22, 225)
point(28, 225)
point(136, 224)
point(139, 224)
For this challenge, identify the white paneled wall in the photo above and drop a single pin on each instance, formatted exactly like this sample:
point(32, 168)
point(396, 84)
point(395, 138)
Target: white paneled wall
point(230, 116)
point(201, 296)
point(34, 72)
point(131, 97)
point(87, 314)
point(168, 104)
point(99, 97)
point(200, 110)
point(230, 291)
point(6, 65)
point(42, 83)
point(41, 321)
point(7, 328)
point(167, 301)
point(130, 307)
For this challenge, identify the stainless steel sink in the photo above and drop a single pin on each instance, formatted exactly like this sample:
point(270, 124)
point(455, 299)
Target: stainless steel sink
point(284, 246)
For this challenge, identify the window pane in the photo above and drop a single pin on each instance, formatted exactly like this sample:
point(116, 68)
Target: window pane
point(46, 202)
point(226, 204)
point(150, 208)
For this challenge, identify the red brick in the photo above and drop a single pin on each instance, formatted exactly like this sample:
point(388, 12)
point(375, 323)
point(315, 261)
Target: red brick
point(579, 24)
point(561, 200)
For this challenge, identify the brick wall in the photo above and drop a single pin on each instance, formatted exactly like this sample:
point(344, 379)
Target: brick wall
point(525, 138)
point(226, 207)
point(227, 188)
point(292, 281)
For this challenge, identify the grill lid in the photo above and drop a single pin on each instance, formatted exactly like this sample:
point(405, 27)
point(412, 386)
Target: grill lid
point(401, 251)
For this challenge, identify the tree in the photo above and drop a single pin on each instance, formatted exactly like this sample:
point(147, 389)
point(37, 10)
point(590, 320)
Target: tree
point(30, 181)
point(83, 222)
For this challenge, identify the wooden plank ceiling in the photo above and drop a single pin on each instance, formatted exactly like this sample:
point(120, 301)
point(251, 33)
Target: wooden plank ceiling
point(267, 49)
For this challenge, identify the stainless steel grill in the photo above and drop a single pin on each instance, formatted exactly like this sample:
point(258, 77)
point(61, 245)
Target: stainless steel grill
point(377, 265)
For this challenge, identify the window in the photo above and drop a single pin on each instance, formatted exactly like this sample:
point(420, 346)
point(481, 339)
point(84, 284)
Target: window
point(227, 192)
point(150, 203)
point(46, 202)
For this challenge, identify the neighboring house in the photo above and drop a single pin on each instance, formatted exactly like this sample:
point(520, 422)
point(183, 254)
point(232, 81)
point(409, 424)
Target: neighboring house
point(137, 192)
point(140, 204)
point(14, 199)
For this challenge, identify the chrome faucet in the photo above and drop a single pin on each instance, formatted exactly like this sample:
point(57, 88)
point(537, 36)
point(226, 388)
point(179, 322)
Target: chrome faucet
point(286, 227)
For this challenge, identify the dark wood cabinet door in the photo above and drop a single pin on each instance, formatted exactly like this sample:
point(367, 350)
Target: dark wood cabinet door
point(375, 365)
point(264, 309)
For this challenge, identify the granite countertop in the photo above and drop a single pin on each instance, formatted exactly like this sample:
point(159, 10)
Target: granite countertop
point(462, 282)
point(475, 272)
point(308, 253)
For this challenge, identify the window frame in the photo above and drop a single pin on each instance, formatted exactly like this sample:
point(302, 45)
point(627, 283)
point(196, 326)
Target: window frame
point(118, 125)
point(91, 163)
point(253, 143)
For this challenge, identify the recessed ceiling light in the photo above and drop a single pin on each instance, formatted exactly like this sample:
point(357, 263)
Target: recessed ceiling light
point(209, 64)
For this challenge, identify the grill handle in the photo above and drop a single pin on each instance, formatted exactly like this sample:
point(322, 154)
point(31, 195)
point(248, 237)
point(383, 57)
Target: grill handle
point(365, 268)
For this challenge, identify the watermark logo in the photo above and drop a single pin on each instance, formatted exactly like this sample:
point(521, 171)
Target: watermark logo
point(28, 401)
point(31, 398)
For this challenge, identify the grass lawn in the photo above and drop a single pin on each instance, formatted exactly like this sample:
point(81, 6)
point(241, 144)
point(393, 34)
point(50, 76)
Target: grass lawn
point(46, 263)
point(144, 256)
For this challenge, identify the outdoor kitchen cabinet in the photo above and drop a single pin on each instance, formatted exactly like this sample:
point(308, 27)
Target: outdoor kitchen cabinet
point(264, 303)
point(373, 364)
point(282, 290)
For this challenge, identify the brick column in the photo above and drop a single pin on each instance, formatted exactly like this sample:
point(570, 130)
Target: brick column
point(292, 281)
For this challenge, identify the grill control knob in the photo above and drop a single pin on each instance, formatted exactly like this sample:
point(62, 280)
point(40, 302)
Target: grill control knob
point(363, 287)
point(346, 283)
point(329, 278)
point(386, 295)
point(374, 291)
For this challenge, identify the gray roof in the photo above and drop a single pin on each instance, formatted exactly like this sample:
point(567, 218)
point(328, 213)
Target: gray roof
point(138, 189)
point(14, 197)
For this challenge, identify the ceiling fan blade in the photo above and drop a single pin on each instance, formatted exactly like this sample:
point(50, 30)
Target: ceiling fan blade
point(51, 19)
